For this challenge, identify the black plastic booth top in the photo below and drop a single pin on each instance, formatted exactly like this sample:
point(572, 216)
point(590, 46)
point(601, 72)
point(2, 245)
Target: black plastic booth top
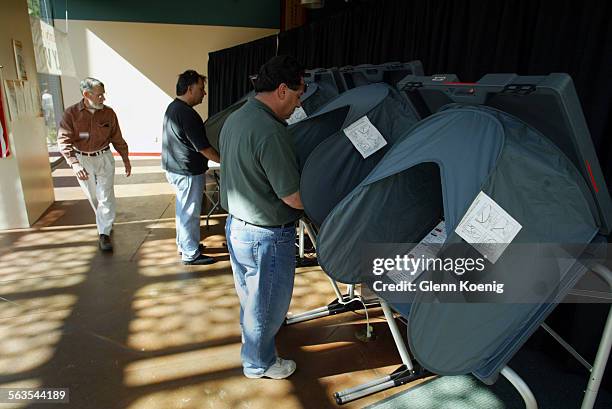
point(548, 103)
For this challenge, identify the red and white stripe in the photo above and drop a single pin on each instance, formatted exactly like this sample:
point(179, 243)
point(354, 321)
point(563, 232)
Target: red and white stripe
point(4, 141)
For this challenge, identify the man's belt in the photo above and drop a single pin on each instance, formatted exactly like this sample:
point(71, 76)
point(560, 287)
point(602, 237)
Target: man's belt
point(96, 153)
point(278, 226)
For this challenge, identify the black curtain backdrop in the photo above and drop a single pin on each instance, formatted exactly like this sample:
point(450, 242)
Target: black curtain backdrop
point(229, 70)
point(471, 38)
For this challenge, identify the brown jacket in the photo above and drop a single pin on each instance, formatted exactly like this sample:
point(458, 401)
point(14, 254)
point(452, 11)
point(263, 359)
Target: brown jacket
point(86, 132)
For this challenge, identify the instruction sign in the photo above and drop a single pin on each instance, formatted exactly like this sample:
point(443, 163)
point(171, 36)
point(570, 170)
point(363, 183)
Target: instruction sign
point(365, 137)
point(488, 227)
point(297, 116)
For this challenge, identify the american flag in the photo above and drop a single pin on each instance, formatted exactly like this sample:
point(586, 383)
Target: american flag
point(4, 142)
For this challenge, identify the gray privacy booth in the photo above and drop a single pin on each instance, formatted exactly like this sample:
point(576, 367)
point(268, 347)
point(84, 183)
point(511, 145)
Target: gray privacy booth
point(321, 143)
point(322, 86)
point(214, 123)
point(522, 142)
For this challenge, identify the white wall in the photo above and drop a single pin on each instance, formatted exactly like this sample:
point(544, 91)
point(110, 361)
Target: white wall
point(26, 188)
point(139, 64)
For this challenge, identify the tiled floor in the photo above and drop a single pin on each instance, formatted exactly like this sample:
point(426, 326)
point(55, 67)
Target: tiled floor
point(137, 329)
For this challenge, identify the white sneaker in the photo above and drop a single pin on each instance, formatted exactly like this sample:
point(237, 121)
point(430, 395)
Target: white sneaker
point(282, 368)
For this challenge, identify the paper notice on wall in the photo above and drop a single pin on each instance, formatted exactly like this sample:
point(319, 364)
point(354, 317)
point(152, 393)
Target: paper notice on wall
point(297, 116)
point(22, 74)
point(21, 101)
point(365, 137)
point(36, 100)
point(11, 99)
point(27, 97)
point(488, 227)
point(4, 139)
point(51, 49)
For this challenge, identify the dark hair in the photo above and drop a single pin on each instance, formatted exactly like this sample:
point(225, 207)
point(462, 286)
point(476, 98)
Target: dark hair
point(186, 79)
point(278, 70)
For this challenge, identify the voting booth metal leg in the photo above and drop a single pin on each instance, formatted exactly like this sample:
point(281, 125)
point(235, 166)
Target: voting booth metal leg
point(301, 238)
point(397, 336)
point(598, 368)
point(400, 376)
point(603, 352)
point(215, 201)
point(406, 373)
point(409, 372)
point(310, 231)
point(522, 388)
point(343, 302)
point(302, 260)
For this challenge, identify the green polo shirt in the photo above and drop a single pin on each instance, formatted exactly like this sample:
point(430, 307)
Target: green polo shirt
point(258, 166)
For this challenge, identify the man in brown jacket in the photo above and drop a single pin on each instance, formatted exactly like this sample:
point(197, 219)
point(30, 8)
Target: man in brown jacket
point(86, 131)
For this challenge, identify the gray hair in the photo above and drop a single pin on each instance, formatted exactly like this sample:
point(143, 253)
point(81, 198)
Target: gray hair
point(88, 84)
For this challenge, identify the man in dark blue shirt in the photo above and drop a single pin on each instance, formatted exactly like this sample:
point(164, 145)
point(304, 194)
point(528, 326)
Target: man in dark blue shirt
point(185, 150)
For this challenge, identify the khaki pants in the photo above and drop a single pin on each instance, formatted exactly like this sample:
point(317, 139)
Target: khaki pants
point(99, 188)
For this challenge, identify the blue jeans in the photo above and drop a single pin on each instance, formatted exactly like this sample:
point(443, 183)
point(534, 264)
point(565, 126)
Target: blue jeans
point(263, 262)
point(189, 191)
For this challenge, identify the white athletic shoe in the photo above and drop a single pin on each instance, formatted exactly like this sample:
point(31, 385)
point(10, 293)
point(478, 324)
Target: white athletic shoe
point(282, 368)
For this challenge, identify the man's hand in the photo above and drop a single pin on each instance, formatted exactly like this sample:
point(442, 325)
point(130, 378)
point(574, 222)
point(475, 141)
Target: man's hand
point(294, 200)
point(211, 154)
point(128, 168)
point(80, 172)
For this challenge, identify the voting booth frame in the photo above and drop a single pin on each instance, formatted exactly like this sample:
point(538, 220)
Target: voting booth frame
point(409, 371)
point(432, 92)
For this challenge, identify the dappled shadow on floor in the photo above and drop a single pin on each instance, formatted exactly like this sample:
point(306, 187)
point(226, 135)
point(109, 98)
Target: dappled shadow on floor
point(137, 329)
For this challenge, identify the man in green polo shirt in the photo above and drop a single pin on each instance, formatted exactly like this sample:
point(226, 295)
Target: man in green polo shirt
point(260, 191)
